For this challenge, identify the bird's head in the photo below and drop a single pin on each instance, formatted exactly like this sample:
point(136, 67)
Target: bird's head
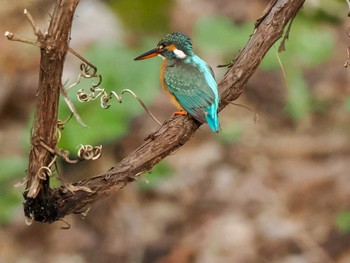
point(173, 46)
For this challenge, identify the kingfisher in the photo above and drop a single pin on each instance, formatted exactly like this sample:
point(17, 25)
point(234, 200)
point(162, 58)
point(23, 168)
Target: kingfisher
point(187, 79)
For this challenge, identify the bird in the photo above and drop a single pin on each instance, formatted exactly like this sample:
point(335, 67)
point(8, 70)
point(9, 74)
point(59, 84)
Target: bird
point(187, 79)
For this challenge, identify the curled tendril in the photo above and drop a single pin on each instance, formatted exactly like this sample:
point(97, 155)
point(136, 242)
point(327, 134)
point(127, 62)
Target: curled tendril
point(85, 152)
point(45, 171)
point(42, 174)
point(60, 127)
point(89, 71)
point(89, 152)
point(97, 92)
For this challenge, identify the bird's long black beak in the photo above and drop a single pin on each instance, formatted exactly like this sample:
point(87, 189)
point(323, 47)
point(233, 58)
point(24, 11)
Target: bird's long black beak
point(150, 54)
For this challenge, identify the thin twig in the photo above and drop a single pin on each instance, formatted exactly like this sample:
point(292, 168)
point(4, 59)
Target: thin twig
point(141, 102)
point(36, 29)
point(11, 36)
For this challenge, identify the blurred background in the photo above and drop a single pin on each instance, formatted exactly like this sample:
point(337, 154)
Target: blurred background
point(272, 190)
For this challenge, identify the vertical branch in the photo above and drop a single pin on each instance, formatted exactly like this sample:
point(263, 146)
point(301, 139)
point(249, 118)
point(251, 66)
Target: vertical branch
point(54, 45)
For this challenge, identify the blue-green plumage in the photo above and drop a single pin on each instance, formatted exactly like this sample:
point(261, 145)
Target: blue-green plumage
point(191, 82)
point(188, 78)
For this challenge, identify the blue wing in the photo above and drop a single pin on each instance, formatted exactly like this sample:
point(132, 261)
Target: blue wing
point(192, 83)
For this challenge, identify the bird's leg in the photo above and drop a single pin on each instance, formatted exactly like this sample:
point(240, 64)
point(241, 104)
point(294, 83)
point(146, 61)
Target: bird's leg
point(180, 112)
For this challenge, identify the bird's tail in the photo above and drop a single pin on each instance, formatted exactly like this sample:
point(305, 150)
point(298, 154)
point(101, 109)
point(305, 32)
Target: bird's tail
point(211, 115)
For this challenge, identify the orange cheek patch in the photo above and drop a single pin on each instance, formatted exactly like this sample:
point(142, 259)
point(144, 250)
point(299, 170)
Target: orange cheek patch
point(171, 47)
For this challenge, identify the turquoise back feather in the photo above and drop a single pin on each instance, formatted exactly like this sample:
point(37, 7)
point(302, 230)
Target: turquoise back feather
point(211, 111)
point(191, 81)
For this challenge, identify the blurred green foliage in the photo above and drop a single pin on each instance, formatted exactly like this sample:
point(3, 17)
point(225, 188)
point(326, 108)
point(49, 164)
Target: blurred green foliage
point(326, 11)
point(308, 45)
point(143, 16)
point(299, 97)
point(12, 169)
point(219, 35)
point(347, 103)
point(343, 221)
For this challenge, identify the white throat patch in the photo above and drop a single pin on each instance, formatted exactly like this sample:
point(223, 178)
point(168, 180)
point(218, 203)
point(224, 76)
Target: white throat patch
point(179, 53)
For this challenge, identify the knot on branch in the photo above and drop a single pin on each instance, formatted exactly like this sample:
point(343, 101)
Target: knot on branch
point(41, 209)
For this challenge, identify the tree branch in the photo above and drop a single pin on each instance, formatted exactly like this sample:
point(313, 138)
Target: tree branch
point(54, 204)
point(53, 45)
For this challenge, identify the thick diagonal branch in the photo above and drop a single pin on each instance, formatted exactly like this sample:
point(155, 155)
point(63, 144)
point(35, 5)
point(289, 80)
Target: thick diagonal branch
point(176, 132)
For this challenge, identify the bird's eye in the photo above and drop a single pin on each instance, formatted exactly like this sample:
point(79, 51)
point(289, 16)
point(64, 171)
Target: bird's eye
point(161, 47)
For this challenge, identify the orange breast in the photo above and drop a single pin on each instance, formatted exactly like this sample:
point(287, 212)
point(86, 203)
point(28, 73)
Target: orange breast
point(172, 98)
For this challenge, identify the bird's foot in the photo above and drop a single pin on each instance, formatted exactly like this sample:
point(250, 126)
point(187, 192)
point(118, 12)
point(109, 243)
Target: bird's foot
point(180, 112)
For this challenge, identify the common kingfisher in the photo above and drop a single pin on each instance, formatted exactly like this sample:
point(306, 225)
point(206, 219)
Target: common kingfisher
point(187, 79)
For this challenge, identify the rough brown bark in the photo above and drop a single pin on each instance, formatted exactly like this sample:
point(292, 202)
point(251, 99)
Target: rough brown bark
point(53, 204)
point(53, 49)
